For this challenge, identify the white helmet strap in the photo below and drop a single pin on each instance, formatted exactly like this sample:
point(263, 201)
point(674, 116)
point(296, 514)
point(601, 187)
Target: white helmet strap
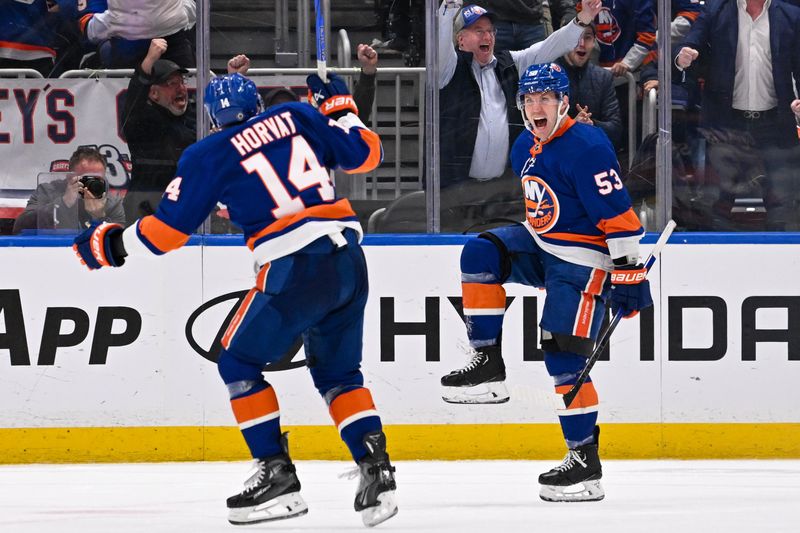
point(559, 119)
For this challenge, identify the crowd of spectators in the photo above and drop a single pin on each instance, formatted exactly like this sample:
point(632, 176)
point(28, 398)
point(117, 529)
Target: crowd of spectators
point(53, 36)
point(734, 91)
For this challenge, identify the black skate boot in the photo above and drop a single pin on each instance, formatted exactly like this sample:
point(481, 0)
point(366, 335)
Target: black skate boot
point(577, 479)
point(481, 381)
point(271, 493)
point(375, 497)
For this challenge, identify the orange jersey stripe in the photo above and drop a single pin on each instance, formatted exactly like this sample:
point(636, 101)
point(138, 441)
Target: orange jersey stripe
point(255, 406)
point(483, 296)
point(647, 38)
point(690, 15)
point(586, 397)
point(338, 210)
point(596, 281)
point(261, 278)
point(28, 47)
point(597, 240)
point(374, 157)
point(161, 235)
point(627, 221)
point(583, 324)
point(350, 403)
point(237, 318)
point(84, 21)
point(565, 125)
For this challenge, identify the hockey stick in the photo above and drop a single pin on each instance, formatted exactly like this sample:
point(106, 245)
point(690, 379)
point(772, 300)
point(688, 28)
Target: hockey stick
point(606, 335)
point(322, 61)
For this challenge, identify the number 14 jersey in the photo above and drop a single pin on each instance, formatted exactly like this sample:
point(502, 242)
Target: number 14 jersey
point(272, 174)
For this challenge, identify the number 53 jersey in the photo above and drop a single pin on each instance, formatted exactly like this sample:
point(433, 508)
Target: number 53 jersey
point(575, 203)
point(272, 174)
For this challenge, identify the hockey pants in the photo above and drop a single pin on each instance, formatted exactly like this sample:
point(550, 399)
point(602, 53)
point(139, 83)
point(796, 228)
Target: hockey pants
point(573, 311)
point(318, 293)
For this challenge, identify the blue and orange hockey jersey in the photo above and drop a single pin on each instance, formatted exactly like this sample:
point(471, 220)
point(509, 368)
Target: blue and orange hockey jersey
point(26, 32)
point(272, 174)
point(688, 9)
point(576, 206)
point(626, 29)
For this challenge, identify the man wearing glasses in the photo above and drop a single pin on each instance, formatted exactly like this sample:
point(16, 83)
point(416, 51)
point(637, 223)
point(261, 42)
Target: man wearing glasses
point(158, 123)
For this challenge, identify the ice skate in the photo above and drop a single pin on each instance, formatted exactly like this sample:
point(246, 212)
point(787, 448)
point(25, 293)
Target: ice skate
point(577, 478)
point(375, 497)
point(271, 493)
point(481, 381)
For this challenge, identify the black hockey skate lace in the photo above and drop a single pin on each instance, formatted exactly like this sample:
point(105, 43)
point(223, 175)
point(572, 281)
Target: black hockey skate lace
point(474, 363)
point(569, 461)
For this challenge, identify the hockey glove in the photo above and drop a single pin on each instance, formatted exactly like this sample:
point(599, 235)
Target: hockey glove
point(333, 99)
point(100, 245)
point(630, 290)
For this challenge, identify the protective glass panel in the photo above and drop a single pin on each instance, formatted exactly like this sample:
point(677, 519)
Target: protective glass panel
point(387, 91)
point(54, 207)
point(68, 71)
point(482, 56)
point(735, 162)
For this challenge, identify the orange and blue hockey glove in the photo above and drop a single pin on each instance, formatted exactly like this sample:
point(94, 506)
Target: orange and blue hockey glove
point(630, 290)
point(100, 245)
point(333, 99)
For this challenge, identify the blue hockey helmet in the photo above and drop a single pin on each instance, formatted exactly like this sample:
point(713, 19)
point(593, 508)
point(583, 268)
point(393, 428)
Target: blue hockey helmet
point(231, 99)
point(541, 78)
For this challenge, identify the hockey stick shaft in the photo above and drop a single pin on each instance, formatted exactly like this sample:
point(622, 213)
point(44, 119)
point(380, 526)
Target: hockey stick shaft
point(569, 396)
point(322, 56)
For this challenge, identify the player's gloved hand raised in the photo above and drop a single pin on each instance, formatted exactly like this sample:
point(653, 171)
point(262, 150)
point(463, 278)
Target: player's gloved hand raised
point(333, 99)
point(630, 290)
point(100, 245)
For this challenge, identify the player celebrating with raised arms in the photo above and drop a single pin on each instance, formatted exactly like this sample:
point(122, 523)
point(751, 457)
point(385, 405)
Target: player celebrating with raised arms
point(271, 169)
point(580, 241)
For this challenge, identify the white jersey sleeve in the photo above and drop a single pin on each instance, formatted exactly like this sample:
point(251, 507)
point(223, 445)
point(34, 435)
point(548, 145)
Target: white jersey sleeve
point(560, 42)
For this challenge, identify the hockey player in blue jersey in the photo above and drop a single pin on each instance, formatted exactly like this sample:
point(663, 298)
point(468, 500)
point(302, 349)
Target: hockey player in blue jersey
point(580, 242)
point(271, 169)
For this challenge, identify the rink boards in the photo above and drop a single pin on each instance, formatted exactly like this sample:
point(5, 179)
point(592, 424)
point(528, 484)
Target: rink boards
point(118, 365)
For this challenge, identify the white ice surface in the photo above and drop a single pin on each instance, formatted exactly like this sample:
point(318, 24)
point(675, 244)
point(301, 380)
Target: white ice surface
point(458, 496)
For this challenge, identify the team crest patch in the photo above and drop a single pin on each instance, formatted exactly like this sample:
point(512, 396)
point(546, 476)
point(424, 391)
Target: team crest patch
point(541, 204)
point(608, 30)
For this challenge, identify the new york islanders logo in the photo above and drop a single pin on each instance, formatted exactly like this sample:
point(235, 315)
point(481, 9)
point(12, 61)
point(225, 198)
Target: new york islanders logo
point(608, 30)
point(541, 204)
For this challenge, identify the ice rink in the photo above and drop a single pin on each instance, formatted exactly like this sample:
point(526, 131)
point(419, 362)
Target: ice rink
point(459, 496)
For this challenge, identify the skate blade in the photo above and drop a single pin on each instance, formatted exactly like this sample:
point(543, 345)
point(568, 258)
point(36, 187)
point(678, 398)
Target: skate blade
point(588, 491)
point(485, 393)
point(377, 514)
point(280, 508)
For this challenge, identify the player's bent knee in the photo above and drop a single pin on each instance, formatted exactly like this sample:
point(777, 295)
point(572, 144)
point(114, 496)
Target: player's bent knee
point(485, 255)
point(563, 365)
point(232, 369)
point(562, 342)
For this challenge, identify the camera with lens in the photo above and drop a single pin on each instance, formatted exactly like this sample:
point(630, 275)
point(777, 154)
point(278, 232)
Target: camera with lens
point(94, 184)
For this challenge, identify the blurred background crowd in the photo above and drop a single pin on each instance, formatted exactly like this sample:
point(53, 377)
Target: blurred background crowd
point(734, 107)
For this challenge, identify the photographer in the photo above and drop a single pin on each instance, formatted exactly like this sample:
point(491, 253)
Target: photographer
point(73, 202)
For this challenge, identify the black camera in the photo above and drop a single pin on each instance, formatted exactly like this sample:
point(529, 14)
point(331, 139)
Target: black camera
point(94, 184)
